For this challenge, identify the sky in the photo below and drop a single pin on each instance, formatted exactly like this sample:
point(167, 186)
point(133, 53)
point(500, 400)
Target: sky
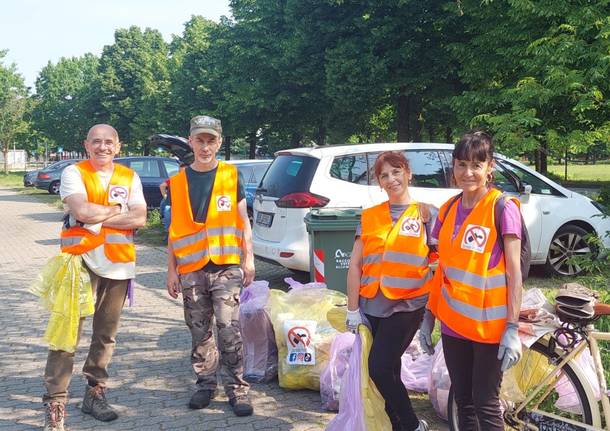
point(38, 31)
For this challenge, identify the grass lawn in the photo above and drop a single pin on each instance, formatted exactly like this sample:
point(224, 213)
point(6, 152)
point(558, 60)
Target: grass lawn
point(12, 179)
point(585, 173)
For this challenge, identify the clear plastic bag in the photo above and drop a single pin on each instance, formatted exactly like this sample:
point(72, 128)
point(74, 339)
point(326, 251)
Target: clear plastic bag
point(330, 380)
point(64, 288)
point(260, 351)
point(415, 367)
point(302, 333)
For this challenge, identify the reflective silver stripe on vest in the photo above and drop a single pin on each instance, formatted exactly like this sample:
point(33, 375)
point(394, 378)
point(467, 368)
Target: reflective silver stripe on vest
point(118, 238)
point(403, 282)
point(189, 240)
point(475, 280)
point(406, 258)
point(474, 313)
point(371, 258)
point(71, 240)
point(219, 231)
point(223, 250)
point(193, 257)
point(367, 279)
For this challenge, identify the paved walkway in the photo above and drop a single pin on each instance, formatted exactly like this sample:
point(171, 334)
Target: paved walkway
point(151, 378)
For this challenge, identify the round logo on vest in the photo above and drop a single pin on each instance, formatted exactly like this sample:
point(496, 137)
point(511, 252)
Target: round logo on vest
point(475, 238)
point(410, 226)
point(223, 203)
point(118, 194)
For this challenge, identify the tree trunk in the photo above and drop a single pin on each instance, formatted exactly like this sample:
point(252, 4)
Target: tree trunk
point(251, 139)
point(448, 137)
point(227, 148)
point(416, 118)
point(5, 152)
point(541, 158)
point(565, 170)
point(402, 116)
point(321, 138)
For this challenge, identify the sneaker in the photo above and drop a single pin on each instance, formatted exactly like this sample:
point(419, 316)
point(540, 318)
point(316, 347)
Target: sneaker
point(201, 399)
point(241, 405)
point(423, 426)
point(95, 404)
point(54, 416)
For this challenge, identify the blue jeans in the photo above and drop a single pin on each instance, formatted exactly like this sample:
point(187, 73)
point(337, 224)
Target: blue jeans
point(166, 214)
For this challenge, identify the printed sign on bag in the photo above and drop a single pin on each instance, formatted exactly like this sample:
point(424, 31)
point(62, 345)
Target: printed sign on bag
point(118, 194)
point(223, 203)
point(300, 342)
point(410, 226)
point(475, 238)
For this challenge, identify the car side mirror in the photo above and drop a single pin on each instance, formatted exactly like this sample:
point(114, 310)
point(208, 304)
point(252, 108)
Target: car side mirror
point(526, 189)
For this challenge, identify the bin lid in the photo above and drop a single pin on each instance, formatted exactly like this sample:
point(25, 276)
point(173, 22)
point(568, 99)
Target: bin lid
point(333, 218)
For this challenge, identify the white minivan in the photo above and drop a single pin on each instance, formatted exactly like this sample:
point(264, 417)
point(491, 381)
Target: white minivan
point(342, 176)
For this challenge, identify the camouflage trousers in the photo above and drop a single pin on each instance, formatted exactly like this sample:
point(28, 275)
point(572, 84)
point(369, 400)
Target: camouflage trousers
point(209, 295)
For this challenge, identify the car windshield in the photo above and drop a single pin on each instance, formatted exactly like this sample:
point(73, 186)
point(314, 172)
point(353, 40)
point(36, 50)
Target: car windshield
point(288, 174)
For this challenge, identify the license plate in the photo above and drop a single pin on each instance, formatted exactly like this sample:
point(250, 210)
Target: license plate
point(264, 219)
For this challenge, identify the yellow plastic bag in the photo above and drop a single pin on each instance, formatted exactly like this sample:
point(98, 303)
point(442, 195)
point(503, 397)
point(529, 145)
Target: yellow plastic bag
point(374, 405)
point(64, 288)
point(302, 333)
point(524, 376)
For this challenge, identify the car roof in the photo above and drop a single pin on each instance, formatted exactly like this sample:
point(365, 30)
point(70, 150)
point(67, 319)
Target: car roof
point(146, 157)
point(249, 161)
point(335, 150)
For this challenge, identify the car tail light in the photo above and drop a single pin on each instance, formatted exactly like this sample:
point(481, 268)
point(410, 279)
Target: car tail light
point(44, 176)
point(302, 200)
point(286, 254)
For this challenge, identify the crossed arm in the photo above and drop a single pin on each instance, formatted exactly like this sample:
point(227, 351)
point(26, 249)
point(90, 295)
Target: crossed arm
point(111, 216)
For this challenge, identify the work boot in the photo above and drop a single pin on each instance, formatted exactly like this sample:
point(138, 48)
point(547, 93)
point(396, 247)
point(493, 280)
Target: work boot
point(54, 416)
point(95, 404)
point(201, 399)
point(241, 405)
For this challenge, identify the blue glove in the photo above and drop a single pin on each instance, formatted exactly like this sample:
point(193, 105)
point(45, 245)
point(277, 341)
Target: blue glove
point(425, 332)
point(353, 319)
point(510, 346)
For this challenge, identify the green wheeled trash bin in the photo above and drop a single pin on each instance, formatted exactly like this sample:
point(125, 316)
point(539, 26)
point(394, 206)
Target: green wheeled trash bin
point(331, 239)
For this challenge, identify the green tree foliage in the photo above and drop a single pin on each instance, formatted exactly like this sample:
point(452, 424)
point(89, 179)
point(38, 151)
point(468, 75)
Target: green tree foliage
point(537, 73)
point(134, 85)
point(67, 101)
point(13, 106)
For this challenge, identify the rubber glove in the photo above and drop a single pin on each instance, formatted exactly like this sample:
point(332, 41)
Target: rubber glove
point(425, 332)
point(353, 319)
point(510, 346)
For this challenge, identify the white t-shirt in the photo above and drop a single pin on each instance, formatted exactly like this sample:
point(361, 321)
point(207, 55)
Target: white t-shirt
point(72, 184)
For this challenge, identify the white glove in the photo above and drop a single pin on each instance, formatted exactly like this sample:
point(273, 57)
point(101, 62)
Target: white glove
point(425, 332)
point(510, 346)
point(353, 319)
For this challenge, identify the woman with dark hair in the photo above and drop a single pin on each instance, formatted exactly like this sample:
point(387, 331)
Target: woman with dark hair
point(477, 288)
point(388, 281)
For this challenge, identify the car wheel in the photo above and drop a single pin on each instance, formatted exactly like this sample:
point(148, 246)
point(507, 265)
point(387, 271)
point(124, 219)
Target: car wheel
point(569, 241)
point(54, 188)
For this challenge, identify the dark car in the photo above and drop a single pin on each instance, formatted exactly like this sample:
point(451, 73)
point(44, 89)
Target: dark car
point(252, 171)
point(152, 172)
point(48, 178)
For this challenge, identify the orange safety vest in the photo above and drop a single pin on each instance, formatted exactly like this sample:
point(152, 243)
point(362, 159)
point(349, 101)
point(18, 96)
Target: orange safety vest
point(219, 238)
point(118, 243)
point(394, 256)
point(467, 296)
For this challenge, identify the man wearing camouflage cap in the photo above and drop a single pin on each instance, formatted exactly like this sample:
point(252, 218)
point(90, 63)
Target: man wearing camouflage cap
point(210, 259)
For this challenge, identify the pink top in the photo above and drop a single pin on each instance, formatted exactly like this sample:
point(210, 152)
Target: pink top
point(511, 225)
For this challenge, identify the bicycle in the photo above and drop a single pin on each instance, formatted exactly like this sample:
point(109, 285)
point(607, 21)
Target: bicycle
point(557, 394)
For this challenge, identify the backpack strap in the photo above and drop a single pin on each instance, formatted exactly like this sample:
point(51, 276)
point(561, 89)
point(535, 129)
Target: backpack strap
point(453, 200)
point(499, 206)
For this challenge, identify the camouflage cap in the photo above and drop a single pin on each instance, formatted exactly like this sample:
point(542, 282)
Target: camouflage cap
point(205, 124)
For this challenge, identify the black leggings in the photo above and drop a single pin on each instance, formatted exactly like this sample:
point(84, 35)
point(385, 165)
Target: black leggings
point(474, 369)
point(391, 337)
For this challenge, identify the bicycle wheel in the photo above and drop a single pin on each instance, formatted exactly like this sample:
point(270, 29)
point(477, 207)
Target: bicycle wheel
point(567, 399)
